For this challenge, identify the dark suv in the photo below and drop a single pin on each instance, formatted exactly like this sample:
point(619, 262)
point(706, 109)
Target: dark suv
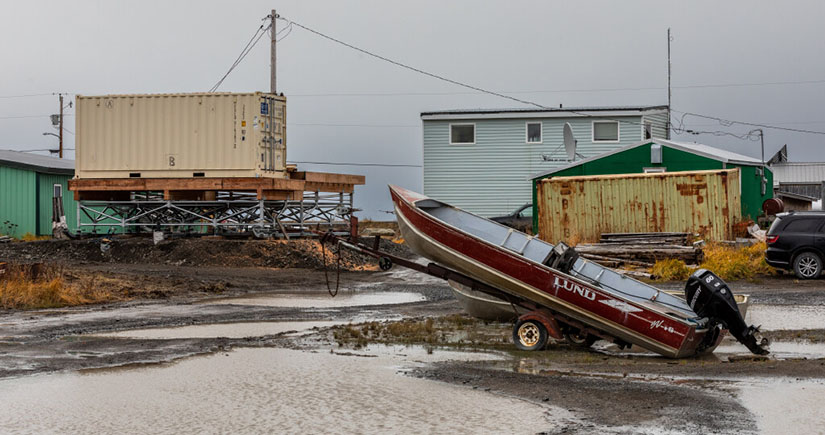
point(796, 241)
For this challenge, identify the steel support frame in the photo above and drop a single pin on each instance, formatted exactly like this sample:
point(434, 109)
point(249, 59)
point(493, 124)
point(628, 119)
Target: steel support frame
point(230, 213)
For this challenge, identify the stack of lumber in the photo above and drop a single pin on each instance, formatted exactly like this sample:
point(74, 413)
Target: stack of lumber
point(641, 249)
point(5, 239)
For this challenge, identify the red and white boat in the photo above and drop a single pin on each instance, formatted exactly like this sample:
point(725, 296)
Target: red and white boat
point(566, 295)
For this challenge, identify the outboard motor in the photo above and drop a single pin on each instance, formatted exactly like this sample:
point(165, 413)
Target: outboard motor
point(711, 297)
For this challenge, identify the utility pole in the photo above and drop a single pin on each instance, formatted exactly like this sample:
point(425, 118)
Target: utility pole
point(668, 82)
point(272, 53)
point(60, 150)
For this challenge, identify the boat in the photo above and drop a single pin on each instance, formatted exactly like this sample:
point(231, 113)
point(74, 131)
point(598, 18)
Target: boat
point(566, 295)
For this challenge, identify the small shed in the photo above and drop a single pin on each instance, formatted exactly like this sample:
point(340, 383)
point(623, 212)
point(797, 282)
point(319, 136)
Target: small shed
point(27, 185)
point(801, 178)
point(659, 155)
point(795, 201)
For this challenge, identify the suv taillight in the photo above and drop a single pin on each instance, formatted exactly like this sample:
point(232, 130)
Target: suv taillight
point(771, 239)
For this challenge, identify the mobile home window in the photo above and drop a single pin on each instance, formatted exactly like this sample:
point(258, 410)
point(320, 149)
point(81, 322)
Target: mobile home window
point(605, 131)
point(533, 132)
point(648, 130)
point(462, 134)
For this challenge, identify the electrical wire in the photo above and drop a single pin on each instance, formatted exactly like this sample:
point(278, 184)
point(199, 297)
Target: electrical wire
point(353, 125)
point(414, 69)
point(25, 96)
point(728, 123)
point(387, 165)
point(554, 91)
point(259, 33)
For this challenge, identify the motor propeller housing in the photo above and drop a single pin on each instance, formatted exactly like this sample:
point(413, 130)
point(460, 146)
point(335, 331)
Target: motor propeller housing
point(709, 296)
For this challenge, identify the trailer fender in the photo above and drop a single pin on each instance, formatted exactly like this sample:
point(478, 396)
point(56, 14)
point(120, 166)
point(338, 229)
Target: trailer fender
point(547, 320)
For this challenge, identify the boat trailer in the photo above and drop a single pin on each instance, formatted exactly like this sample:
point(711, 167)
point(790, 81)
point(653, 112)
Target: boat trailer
point(538, 324)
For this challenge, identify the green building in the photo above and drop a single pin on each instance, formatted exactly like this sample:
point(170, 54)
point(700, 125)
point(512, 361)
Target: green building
point(27, 185)
point(659, 155)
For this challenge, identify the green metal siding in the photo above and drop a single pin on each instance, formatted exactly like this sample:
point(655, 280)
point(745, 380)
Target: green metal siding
point(636, 159)
point(17, 191)
point(752, 197)
point(491, 177)
point(46, 191)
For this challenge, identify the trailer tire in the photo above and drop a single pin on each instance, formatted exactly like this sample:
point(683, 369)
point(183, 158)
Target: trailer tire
point(577, 339)
point(530, 335)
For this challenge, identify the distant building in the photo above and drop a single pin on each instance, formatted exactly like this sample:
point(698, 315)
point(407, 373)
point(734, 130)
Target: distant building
point(659, 155)
point(27, 185)
point(795, 201)
point(481, 160)
point(801, 178)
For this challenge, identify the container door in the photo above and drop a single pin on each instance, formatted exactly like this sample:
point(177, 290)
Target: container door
point(266, 133)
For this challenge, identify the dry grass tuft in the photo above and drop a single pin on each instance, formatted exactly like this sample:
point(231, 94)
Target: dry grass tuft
point(737, 263)
point(29, 237)
point(23, 287)
point(670, 270)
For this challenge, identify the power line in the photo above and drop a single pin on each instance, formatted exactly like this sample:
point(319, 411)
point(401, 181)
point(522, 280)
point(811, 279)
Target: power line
point(31, 116)
point(388, 165)
point(553, 91)
point(25, 96)
point(729, 122)
point(259, 33)
point(411, 68)
point(353, 125)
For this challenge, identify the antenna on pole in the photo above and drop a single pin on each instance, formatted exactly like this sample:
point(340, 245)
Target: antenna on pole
point(669, 38)
point(272, 53)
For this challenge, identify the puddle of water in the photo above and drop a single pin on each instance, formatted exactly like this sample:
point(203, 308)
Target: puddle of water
point(263, 390)
point(777, 317)
point(778, 349)
point(322, 300)
point(783, 407)
point(227, 330)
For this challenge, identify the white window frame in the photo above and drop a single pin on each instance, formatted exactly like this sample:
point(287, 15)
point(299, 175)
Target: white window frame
point(618, 131)
point(656, 170)
point(645, 124)
point(450, 133)
point(527, 131)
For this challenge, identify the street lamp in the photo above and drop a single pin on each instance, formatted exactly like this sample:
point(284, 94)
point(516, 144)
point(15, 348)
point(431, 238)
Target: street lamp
point(52, 134)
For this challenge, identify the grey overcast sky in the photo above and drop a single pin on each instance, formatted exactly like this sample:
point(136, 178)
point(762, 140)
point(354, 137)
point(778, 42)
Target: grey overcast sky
point(347, 107)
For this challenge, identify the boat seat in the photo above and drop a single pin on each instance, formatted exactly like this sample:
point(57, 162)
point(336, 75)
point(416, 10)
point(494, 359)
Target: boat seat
point(562, 258)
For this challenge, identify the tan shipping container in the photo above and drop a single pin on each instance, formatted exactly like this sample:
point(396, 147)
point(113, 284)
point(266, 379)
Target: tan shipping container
point(579, 209)
point(181, 135)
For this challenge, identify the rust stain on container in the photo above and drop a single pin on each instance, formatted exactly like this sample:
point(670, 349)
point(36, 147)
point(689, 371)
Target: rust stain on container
point(585, 207)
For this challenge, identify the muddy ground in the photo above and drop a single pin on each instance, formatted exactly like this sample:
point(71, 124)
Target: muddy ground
point(198, 282)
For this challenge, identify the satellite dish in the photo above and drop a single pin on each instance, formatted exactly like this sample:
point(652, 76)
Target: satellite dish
point(569, 142)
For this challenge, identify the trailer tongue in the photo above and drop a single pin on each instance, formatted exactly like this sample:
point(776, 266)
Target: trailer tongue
point(565, 296)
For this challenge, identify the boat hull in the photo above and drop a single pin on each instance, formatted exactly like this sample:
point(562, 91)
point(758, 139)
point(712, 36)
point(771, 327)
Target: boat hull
point(564, 294)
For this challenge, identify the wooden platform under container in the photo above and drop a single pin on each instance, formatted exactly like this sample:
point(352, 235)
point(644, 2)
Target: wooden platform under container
point(205, 189)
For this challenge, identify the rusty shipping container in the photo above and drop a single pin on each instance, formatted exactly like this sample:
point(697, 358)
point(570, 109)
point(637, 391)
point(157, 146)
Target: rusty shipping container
point(580, 209)
point(181, 135)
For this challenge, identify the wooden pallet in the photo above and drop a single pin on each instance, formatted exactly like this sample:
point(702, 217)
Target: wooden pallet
point(205, 189)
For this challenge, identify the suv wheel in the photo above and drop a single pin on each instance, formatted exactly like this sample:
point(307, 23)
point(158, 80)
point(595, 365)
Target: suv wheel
point(807, 265)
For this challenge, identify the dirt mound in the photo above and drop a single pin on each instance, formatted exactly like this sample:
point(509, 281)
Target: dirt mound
point(189, 252)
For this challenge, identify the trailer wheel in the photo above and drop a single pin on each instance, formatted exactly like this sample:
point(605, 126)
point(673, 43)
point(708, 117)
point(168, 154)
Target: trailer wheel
point(530, 335)
point(578, 339)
